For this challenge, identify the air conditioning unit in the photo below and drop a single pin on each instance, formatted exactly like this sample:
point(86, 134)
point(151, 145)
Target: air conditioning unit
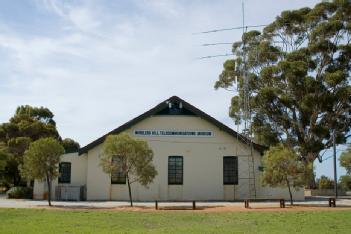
point(70, 193)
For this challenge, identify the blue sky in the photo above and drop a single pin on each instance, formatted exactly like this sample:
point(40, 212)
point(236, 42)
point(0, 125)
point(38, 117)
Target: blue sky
point(98, 63)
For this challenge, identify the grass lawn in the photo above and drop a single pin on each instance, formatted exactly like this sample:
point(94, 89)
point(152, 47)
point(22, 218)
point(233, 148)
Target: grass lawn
point(63, 221)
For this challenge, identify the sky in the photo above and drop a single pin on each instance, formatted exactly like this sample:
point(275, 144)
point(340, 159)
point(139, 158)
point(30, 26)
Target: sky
point(96, 64)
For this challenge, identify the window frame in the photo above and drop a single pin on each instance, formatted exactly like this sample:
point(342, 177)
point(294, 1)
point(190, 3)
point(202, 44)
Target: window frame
point(172, 180)
point(119, 177)
point(61, 180)
point(235, 171)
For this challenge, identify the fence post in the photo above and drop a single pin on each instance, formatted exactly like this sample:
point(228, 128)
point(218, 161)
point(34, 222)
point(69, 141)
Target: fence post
point(156, 205)
point(194, 205)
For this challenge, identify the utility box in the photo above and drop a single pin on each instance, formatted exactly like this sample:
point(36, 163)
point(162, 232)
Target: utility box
point(70, 193)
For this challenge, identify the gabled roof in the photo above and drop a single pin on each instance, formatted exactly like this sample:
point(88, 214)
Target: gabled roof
point(159, 109)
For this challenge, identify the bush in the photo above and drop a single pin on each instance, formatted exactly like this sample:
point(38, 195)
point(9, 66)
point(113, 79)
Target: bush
point(2, 190)
point(20, 192)
point(345, 182)
point(325, 183)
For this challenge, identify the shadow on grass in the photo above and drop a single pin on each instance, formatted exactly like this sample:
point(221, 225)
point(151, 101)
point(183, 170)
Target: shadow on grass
point(127, 208)
point(321, 205)
point(188, 207)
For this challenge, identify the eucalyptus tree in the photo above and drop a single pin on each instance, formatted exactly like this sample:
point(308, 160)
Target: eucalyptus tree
point(28, 124)
point(297, 75)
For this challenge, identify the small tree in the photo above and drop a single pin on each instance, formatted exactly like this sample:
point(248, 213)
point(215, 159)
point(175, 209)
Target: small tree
point(41, 161)
point(325, 183)
point(282, 168)
point(345, 182)
point(134, 160)
point(345, 160)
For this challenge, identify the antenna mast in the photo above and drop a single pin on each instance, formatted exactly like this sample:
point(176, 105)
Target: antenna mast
point(247, 131)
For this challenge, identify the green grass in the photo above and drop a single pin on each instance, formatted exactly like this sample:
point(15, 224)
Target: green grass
point(61, 221)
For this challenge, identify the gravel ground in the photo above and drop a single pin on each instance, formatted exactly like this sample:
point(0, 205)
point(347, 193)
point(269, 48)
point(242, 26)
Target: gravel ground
point(22, 203)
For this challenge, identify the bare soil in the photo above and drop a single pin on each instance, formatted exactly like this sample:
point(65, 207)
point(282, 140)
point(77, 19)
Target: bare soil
point(208, 209)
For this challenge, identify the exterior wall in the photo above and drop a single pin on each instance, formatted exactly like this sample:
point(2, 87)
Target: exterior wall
point(78, 175)
point(324, 192)
point(202, 166)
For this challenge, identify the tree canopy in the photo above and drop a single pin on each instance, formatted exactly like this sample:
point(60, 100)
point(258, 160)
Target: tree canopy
point(41, 161)
point(345, 160)
point(345, 182)
point(325, 182)
point(70, 145)
point(130, 156)
point(27, 125)
point(281, 168)
point(3, 163)
point(298, 79)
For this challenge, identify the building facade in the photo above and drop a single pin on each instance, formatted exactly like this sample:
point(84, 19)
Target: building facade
point(196, 157)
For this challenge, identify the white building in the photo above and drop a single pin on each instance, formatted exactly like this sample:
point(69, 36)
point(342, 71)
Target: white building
point(196, 157)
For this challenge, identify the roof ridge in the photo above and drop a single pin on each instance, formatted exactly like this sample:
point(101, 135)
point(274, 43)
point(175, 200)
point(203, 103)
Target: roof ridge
point(159, 107)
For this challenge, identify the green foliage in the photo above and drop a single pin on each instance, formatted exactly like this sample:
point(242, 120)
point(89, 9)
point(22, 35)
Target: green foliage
point(30, 122)
point(70, 145)
point(41, 161)
point(298, 73)
point(325, 183)
point(42, 158)
point(27, 125)
point(20, 193)
point(345, 182)
point(345, 160)
point(281, 164)
point(4, 155)
point(282, 168)
point(135, 159)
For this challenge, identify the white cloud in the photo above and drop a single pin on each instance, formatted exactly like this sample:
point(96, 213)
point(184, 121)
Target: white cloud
point(103, 65)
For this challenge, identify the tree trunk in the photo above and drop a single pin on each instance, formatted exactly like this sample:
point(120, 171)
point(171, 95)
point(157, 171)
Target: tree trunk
point(310, 182)
point(16, 180)
point(49, 189)
point(110, 187)
point(291, 199)
point(130, 192)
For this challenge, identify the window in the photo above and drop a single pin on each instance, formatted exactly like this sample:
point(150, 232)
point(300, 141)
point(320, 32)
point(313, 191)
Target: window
point(175, 170)
point(65, 173)
point(230, 170)
point(118, 176)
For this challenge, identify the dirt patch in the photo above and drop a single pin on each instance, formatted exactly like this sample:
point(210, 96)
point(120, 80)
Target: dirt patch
point(206, 209)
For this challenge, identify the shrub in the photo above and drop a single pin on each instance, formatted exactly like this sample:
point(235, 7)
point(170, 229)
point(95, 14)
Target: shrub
point(345, 182)
point(325, 183)
point(20, 192)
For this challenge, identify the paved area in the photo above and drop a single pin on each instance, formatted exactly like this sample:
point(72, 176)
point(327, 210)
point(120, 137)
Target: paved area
point(22, 203)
